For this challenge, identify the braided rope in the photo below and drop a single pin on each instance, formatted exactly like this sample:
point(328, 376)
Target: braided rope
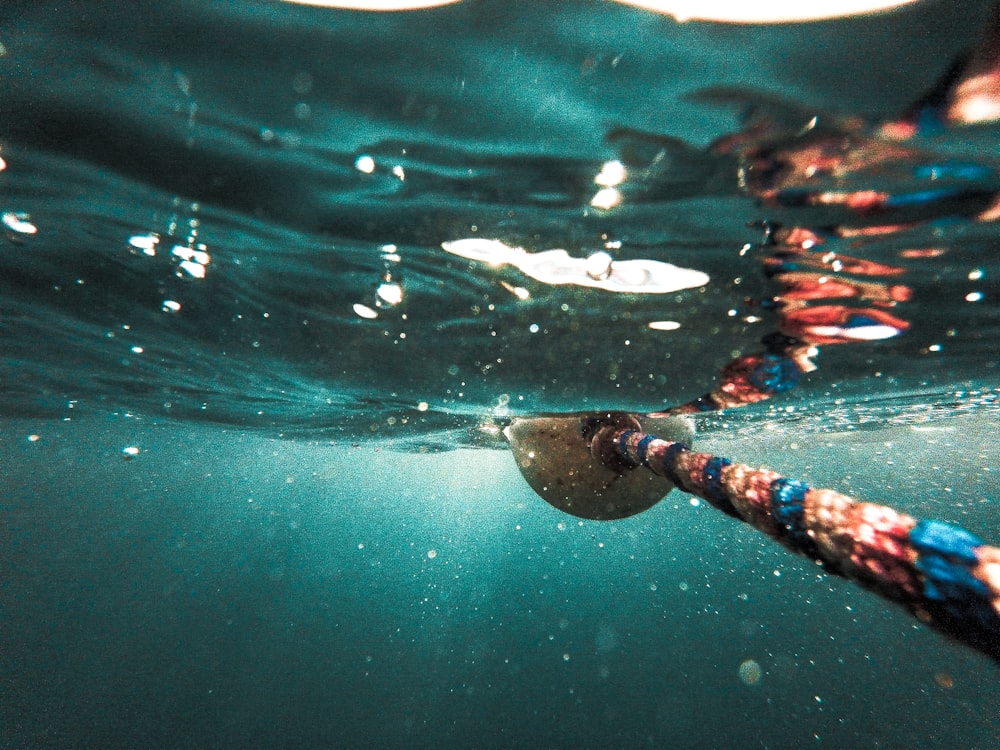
point(942, 574)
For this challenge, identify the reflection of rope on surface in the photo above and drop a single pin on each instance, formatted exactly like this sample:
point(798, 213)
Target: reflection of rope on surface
point(852, 311)
point(944, 575)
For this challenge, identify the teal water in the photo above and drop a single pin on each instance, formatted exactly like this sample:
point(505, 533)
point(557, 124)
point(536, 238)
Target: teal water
point(320, 538)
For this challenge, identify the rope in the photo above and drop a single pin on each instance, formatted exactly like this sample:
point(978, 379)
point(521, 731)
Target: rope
point(942, 574)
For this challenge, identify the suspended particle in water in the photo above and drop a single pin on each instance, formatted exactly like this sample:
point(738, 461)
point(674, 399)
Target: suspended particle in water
point(130, 452)
point(196, 270)
point(432, 553)
point(607, 198)
point(363, 311)
point(364, 163)
point(664, 325)
point(518, 291)
point(192, 260)
point(146, 243)
point(390, 293)
point(945, 680)
point(18, 222)
point(750, 672)
point(302, 82)
point(612, 173)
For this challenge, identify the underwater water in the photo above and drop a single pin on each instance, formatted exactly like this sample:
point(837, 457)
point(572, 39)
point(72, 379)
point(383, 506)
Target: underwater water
point(271, 287)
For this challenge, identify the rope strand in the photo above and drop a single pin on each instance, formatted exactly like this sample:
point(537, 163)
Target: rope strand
point(942, 574)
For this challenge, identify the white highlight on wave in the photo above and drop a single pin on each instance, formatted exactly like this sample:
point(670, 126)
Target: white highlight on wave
point(765, 11)
point(599, 270)
point(375, 4)
point(729, 11)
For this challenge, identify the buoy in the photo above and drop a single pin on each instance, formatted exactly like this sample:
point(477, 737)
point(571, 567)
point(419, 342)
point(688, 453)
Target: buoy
point(570, 462)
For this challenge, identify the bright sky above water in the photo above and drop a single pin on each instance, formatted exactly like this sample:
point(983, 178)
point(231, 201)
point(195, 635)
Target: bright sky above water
point(733, 11)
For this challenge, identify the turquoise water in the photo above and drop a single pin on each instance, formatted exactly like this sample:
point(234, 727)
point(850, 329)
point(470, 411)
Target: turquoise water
point(256, 492)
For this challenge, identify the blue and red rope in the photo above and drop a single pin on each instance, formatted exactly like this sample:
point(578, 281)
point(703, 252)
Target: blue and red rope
point(942, 574)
